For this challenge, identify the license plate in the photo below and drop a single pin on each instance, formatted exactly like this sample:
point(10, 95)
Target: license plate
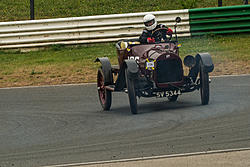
point(168, 93)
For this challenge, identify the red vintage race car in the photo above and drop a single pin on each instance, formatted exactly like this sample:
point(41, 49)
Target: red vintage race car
point(153, 70)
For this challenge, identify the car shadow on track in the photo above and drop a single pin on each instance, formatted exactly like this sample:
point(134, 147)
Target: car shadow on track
point(155, 106)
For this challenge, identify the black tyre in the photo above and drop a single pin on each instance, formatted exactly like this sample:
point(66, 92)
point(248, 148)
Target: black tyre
point(131, 93)
point(105, 96)
point(204, 85)
point(172, 98)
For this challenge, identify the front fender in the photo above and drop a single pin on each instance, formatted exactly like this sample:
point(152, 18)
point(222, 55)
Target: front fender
point(206, 61)
point(106, 68)
point(133, 70)
point(132, 67)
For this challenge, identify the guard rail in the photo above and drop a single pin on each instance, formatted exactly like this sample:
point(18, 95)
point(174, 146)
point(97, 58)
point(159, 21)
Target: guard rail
point(220, 20)
point(88, 29)
point(110, 28)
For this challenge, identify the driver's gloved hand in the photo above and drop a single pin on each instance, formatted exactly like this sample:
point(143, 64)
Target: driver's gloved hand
point(150, 40)
point(169, 31)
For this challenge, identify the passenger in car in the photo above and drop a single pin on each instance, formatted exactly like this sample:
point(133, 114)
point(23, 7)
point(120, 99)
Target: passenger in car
point(148, 35)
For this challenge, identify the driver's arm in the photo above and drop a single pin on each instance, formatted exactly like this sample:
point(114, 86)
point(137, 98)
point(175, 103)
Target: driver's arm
point(144, 36)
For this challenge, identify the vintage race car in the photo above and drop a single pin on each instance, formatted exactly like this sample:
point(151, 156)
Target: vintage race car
point(153, 70)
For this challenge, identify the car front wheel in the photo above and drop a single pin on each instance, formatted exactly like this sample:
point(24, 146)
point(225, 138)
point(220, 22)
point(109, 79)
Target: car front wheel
point(131, 93)
point(204, 85)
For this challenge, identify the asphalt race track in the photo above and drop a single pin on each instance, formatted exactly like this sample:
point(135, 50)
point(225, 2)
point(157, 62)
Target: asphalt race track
point(65, 124)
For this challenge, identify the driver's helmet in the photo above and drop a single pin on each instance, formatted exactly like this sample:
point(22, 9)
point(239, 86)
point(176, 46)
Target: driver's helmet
point(149, 22)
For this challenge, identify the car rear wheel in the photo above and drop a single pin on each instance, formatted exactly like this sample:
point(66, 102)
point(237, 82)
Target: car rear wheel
point(131, 93)
point(105, 96)
point(204, 85)
point(172, 98)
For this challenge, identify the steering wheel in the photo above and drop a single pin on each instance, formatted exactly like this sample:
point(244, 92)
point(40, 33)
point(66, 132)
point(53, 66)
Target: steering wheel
point(161, 33)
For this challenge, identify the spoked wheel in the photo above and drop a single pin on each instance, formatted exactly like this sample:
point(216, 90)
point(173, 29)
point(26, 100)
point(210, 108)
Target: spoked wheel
point(172, 98)
point(105, 96)
point(131, 93)
point(204, 85)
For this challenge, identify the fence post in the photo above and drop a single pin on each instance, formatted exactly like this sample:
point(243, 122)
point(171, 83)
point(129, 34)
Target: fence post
point(32, 11)
point(219, 3)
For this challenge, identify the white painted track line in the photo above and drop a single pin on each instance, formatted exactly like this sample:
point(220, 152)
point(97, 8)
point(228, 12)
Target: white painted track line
point(228, 155)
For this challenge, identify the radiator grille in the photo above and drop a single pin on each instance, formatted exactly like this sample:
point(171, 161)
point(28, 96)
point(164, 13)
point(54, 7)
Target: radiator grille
point(169, 71)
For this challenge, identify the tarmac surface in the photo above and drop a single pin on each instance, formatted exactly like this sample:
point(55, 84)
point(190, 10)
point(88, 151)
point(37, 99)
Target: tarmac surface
point(53, 125)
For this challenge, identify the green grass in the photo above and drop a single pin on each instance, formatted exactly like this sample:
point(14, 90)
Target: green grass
point(233, 47)
point(75, 64)
point(11, 10)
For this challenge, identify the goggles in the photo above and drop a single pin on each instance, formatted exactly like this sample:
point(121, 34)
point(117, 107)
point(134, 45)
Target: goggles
point(149, 23)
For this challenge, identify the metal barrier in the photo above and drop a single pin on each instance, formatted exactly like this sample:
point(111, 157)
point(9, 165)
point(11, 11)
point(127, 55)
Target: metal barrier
point(220, 20)
point(110, 28)
point(88, 29)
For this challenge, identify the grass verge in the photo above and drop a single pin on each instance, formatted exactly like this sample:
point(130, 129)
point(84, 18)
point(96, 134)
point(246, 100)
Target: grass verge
point(75, 64)
point(11, 10)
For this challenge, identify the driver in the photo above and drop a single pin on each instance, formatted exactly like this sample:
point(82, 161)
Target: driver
point(148, 36)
